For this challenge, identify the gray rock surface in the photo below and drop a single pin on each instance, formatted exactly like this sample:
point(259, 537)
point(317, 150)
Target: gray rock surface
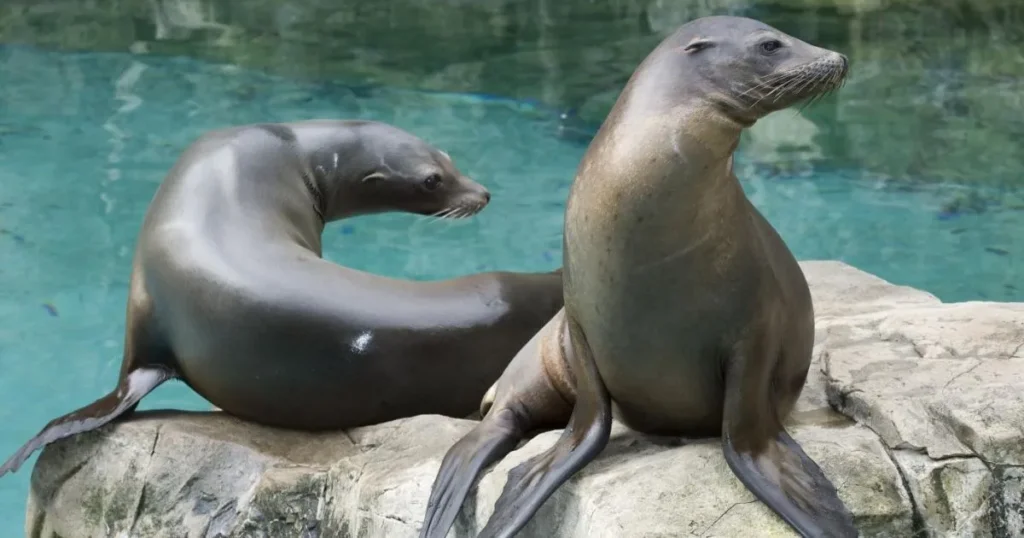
point(935, 392)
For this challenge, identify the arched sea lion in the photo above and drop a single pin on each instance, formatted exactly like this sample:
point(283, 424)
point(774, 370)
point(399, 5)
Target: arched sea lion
point(685, 313)
point(229, 292)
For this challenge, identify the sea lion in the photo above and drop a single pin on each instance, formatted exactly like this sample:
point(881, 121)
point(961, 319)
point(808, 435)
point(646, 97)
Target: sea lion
point(685, 313)
point(229, 293)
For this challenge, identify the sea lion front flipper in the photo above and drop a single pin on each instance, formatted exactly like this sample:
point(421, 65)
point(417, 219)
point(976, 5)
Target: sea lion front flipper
point(773, 466)
point(131, 388)
point(495, 436)
point(804, 497)
point(530, 483)
point(523, 400)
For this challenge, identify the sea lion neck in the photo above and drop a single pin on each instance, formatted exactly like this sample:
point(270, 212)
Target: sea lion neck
point(330, 168)
point(706, 134)
point(683, 142)
point(680, 115)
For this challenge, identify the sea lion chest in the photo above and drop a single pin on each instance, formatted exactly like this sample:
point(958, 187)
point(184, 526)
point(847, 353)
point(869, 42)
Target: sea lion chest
point(662, 272)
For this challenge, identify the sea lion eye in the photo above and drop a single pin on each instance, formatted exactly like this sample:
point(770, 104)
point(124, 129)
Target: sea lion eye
point(432, 182)
point(771, 46)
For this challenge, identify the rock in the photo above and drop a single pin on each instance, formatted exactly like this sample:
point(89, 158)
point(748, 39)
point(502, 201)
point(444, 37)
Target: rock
point(926, 441)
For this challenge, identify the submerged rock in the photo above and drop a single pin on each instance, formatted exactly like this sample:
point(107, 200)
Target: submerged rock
point(934, 392)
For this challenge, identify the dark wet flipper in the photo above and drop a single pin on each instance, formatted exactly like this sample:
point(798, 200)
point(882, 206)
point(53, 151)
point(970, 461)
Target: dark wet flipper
point(789, 482)
point(533, 481)
point(132, 388)
point(490, 440)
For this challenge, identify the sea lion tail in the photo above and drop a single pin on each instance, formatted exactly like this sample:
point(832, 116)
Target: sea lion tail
point(490, 440)
point(132, 388)
point(779, 473)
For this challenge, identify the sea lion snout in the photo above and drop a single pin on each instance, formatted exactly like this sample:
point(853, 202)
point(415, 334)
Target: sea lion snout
point(800, 73)
point(468, 198)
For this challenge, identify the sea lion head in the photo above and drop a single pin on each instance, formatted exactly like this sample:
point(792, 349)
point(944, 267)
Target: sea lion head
point(398, 171)
point(749, 69)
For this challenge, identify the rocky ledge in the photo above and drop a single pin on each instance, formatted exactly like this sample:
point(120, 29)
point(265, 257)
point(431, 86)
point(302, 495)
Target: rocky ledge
point(914, 408)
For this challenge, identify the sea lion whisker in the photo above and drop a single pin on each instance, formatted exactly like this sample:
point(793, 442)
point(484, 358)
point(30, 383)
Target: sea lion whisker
point(758, 88)
point(774, 89)
point(796, 75)
point(443, 214)
point(423, 220)
point(782, 87)
point(439, 216)
point(766, 82)
point(775, 82)
point(811, 81)
point(774, 77)
point(816, 94)
point(797, 87)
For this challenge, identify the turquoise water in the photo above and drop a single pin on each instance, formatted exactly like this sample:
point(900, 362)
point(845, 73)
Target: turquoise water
point(86, 138)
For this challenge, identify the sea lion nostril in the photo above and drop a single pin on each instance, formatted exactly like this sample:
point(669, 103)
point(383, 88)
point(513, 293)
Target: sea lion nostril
point(839, 61)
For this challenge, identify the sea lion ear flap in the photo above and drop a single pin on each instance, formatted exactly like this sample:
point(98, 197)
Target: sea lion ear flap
point(697, 44)
point(373, 177)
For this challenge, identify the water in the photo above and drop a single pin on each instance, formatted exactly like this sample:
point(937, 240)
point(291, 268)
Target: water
point(86, 138)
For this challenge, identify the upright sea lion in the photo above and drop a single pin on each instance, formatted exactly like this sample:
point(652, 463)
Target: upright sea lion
point(685, 313)
point(229, 292)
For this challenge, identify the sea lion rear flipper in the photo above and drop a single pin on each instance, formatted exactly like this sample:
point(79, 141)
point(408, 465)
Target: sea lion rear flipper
point(777, 470)
point(494, 437)
point(530, 483)
point(132, 388)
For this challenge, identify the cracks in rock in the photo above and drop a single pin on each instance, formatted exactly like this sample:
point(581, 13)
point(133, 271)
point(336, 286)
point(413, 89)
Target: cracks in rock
point(389, 517)
point(897, 337)
point(918, 528)
point(963, 434)
point(156, 439)
point(1006, 516)
point(71, 472)
point(715, 522)
point(1013, 354)
point(965, 372)
point(315, 527)
point(218, 524)
point(995, 504)
point(904, 446)
point(352, 440)
point(140, 502)
point(321, 500)
point(842, 398)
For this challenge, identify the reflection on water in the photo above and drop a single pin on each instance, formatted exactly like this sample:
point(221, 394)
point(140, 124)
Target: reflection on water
point(933, 94)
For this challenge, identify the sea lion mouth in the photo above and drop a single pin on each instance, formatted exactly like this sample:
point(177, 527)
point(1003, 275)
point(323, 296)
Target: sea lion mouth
point(808, 82)
point(460, 211)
